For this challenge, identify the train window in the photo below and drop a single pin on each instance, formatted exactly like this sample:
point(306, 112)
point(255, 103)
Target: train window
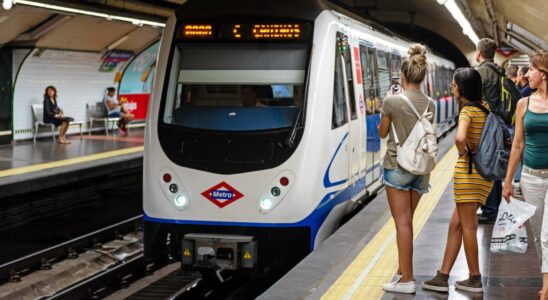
point(396, 65)
point(339, 117)
point(346, 54)
point(370, 79)
point(236, 87)
point(384, 73)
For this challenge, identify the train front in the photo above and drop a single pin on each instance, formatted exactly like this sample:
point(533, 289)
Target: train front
point(225, 125)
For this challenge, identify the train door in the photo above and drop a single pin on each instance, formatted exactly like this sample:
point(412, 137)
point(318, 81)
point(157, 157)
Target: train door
point(373, 105)
point(353, 125)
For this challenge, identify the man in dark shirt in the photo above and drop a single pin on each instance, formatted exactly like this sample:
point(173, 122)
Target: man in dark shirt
point(485, 54)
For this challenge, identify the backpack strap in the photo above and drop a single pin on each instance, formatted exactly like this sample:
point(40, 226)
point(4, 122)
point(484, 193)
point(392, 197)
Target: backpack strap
point(494, 70)
point(486, 111)
point(406, 100)
point(474, 104)
point(394, 133)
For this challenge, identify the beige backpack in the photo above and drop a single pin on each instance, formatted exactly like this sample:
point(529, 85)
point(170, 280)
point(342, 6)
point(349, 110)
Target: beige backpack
point(418, 154)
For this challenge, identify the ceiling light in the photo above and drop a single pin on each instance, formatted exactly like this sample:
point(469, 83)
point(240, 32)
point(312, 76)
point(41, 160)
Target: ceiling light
point(457, 14)
point(7, 4)
point(526, 34)
point(87, 13)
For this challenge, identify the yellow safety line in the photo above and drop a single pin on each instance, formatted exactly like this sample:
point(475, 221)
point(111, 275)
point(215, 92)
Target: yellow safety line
point(378, 261)
point(70, 161)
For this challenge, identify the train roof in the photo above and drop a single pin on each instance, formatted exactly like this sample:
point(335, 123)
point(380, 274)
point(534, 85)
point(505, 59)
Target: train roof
point(306, 10)
point(301, 9)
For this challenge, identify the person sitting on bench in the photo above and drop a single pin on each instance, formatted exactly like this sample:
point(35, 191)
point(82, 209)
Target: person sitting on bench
point(117, 110)
point(54, 115)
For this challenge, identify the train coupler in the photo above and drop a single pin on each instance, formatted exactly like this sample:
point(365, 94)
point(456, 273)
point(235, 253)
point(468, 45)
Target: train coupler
point(218, 252)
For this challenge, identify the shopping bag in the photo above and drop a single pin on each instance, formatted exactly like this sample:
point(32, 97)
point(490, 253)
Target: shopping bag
point(509, 233)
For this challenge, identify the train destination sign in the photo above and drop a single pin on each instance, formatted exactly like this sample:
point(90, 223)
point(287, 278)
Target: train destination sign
point(246, 31)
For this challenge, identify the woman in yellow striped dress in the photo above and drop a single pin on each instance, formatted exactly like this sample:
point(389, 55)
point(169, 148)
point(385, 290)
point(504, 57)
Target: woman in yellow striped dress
point(470, 189)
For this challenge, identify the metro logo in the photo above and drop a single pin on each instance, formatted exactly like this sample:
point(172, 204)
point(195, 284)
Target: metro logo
point(222, 194)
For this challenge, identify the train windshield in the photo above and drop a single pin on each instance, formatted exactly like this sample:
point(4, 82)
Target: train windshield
point(236, 87)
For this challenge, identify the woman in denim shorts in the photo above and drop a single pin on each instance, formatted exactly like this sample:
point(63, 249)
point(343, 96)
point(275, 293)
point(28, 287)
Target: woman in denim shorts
point(404, 189)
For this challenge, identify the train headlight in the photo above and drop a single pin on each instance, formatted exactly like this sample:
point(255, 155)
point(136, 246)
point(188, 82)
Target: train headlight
point(266, 204)
point(173, 189)
point(181, 201)
point(275, 191)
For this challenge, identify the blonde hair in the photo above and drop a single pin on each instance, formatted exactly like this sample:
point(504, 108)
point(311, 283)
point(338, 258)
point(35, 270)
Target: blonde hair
point(414, 67)
point(539, 61)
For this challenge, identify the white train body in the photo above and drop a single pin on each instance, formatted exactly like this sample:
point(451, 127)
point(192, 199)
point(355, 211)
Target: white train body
point(328, 168)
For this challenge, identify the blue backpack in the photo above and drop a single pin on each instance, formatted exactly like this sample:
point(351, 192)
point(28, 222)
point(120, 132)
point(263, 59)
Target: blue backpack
point(493, 152)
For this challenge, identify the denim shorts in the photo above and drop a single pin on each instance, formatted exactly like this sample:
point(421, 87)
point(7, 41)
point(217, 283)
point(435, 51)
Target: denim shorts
point(400, 179)
point(114, 114)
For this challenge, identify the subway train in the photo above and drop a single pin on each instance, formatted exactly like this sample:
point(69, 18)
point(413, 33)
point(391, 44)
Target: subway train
point(262, 128)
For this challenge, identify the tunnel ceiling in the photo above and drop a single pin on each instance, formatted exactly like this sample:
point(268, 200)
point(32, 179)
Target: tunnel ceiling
point(520, 24)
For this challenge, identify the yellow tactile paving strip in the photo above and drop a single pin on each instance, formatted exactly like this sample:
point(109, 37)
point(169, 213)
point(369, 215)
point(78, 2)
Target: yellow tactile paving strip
point(377, 262)
point(70, 161)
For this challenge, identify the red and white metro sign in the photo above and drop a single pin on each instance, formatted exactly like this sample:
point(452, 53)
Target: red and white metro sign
point(222, 194)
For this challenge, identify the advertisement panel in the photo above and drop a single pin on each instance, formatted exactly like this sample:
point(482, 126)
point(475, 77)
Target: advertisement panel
point(136, 84)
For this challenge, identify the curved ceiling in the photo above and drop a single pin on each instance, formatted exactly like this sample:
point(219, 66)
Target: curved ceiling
point(520, 24)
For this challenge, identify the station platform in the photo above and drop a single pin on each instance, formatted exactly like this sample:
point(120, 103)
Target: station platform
point(28, 166)
point(362, 255)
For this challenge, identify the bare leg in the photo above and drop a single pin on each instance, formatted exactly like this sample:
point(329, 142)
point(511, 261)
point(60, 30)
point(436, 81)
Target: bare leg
point(415, 198)
point(400, 207)
point(469, 225)
point(63, 131)
point(454, 242)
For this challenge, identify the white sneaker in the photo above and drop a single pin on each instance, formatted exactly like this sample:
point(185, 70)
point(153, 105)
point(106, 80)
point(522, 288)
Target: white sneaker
point(400, 287)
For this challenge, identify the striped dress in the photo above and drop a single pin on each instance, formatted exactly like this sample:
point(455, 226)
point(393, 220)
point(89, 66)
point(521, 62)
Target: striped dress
point(471, 187)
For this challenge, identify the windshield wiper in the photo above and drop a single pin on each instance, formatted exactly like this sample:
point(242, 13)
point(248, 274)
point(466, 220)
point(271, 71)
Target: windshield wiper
point(289, 141)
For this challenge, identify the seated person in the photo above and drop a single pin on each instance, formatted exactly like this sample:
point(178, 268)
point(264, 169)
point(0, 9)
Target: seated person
point(54, 115)
point(249, 96)
point(116, 110)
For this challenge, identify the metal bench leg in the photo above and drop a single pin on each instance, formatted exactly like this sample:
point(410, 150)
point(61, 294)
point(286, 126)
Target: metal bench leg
point(35, 132)
point(53, 132)
point(90, 126)
point(81, 136)
point(106, 126)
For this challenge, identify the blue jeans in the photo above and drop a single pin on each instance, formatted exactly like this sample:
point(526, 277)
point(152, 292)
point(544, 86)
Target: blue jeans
point(400, 179)
point(491, 207)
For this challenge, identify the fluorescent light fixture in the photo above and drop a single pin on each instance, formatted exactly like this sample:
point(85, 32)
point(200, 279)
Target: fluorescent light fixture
point(521, 46)
point(526, 34)
point(88, 13)
point(7, 4)
point(457, 14)
point(118, 42)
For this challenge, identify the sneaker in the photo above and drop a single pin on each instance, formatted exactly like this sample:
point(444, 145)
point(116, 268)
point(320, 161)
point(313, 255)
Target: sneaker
point(439, 283)
point(472, 284)
point(400, 287)
point(123, 132)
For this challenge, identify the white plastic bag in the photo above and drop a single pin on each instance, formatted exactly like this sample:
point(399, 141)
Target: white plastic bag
point(509, 234)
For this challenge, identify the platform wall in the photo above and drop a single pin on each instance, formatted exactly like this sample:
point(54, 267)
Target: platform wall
point(76, 76)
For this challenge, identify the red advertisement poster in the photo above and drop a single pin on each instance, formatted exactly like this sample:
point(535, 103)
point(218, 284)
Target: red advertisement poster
point(136, 104)
point(358, 66)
